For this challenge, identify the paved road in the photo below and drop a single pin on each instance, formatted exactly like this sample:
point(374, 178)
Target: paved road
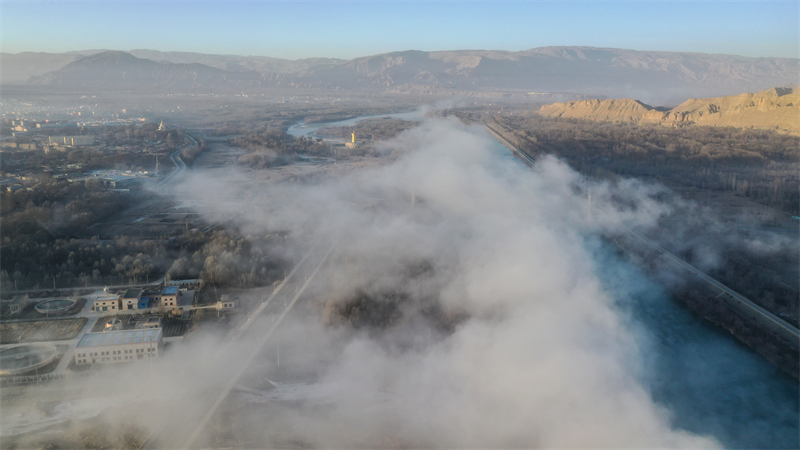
point(737, 300)
point(179, 168)
point(73, 289)
point(733, 298)
point(186, 429)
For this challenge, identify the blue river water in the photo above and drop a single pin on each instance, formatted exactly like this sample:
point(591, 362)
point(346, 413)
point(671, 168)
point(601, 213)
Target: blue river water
point(310, 129)
point(710, 383)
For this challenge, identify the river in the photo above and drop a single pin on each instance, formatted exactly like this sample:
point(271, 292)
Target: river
point(310, 129)
point(709, 382)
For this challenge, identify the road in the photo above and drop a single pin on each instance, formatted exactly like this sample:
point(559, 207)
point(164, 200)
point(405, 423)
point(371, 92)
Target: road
point(733, 298)
point(180, 166)
point(186, 429)
point(84, 288)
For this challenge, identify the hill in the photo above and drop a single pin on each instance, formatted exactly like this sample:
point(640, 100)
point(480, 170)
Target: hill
point(606, 72)
point(120, 70)
point(776, 109)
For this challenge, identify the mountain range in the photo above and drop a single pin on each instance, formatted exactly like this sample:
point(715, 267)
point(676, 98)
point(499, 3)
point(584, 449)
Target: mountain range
point(776, 109)
point(650, 76)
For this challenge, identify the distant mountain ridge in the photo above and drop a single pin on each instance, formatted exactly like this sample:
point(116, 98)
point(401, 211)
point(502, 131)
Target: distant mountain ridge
point(115, 69)
point(651, 76)
point(776, 109)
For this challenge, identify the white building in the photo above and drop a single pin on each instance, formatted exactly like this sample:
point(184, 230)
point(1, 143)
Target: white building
point(169, 297)
point(118, 346)
point(130, 299)
point(106, 303)
point(74, 141)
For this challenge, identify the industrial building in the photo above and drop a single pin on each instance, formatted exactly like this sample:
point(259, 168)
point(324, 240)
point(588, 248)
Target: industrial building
point(144, 303)
point(130, 299)
point(118, 346)
point(106, 303)
point(169, 296)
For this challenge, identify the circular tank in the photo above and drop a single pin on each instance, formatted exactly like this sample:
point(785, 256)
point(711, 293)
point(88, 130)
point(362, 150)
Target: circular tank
point(26, 358)
point(55, 307)
point(113, 325)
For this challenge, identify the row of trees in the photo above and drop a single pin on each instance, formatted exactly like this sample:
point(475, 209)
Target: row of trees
point(762, 166)
point(384, 128)
point(35, 260)
point(56, 208)
point(275, 147)
point(227, 259)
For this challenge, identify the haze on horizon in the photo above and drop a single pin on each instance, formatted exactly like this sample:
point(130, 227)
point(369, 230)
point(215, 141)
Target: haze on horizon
point(296, 30)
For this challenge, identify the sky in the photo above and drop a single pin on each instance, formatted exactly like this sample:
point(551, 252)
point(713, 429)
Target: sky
point(303, 29)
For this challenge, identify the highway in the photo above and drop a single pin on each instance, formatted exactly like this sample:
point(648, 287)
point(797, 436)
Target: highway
point(185, 429)
point(737, 300)
point(733, 298)
point(180, 166)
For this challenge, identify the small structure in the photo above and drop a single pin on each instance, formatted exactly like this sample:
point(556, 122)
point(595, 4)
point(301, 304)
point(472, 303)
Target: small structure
point(113, 325)
point(106, 303)
point(18, 304)
point(352, 143)
point(183, 303)
point(185, 284)
point(169, 297)
point(118, 346)
point(225, 304)
point(144, 303)
point(151, 322)
point(55, 307)
point(21, 359)
point(154, 295)
point(130, 299)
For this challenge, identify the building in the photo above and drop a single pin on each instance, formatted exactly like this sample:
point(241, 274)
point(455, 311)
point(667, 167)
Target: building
point(18, 304)
point(225, 304)
point(352, 143)
point(154, 295)
point(185, 300)
point(145, 302)
point(118, 346)
point(151, 322)
point(130, 299)
point(169, 297)
point(106, 303)
point(185, 284)
point(74, 141)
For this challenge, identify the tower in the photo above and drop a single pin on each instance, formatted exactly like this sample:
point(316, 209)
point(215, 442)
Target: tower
point(354, 137)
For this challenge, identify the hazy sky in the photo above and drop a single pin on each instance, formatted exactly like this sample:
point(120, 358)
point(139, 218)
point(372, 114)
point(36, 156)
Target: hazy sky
point(296, 29)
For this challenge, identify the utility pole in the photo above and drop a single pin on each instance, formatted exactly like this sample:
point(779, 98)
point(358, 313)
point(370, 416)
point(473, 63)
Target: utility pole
point(589, 205)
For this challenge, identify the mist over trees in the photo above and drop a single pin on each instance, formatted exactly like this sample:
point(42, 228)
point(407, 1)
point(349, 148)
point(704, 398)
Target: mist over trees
point(759, 165)
point(275, 147)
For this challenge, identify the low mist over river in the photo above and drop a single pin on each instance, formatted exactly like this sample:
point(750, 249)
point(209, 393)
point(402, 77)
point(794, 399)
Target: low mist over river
point(545, 336)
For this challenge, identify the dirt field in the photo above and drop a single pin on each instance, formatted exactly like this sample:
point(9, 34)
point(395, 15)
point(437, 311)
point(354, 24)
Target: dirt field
point(41, 330)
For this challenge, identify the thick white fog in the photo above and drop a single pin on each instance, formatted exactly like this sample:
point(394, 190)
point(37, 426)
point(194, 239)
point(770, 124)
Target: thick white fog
point(535, 353)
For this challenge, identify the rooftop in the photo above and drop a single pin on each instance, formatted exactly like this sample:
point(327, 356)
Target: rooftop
point(119, 337)
point(132, 293)
point(170, 290)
